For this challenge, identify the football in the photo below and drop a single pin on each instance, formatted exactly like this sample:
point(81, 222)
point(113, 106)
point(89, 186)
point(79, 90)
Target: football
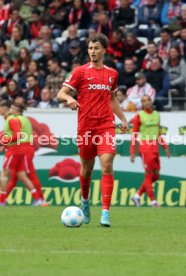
point(72, 216)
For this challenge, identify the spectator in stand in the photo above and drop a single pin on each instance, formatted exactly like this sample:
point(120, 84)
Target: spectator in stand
point(104, 24)
point(123, 100)
point(127, 76)
point(124, 16)
point(75, 52)
point(36, 47)
point(100, 6)
point(2, 52)
point(11, 91)
point(71, 36)
point(14, 19)
point(134, 49)
point(179, 23)
point(159, 80)
point(4, 12)
point(149, 19)
point(164, 44)
point(16, 42)
point(33, 69)
point(47, 54)
point(56, 16)
point(182, 43)
point(35, 24)
point(79, 15)
point(141, 88)
point(170, 10)
point(56, 77)
point(151, 53)
point(32, 93)
point(115, 47)
point(22, 61)
point(7, 72)
point(28, 7)
point(46, 99)
point(176, 68)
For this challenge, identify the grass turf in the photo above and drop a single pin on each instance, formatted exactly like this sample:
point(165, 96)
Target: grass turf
point(141, 241)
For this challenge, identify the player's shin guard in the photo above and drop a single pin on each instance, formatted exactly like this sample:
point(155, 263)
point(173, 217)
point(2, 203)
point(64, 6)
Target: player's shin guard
point(85, 185)
point(107, 184)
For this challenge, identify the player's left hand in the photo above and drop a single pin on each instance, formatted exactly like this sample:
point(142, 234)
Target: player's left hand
point(168, 153)
point(124, 127)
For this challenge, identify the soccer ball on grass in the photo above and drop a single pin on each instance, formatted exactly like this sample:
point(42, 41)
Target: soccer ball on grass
point(72, 216)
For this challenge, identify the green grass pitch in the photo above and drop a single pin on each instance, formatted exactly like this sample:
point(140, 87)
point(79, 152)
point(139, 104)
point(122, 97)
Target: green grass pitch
point(141, 241)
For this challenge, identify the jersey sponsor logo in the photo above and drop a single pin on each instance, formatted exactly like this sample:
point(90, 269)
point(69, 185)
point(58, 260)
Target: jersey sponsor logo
point(99, 87)
point(91, 78)
point(68, 78)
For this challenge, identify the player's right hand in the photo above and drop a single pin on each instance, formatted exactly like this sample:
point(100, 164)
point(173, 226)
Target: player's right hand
point(132, 158)
point(72, 103)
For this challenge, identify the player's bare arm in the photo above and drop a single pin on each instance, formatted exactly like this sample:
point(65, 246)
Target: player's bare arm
point(168, 153)
point(63, 95)
point(119, 113)
point(132, 158)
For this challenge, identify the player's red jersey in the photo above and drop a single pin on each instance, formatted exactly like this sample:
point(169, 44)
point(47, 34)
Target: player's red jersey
point(94, 87)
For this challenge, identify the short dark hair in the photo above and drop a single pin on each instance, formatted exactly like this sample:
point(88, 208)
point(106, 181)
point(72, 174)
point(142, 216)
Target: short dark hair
point(159, 58)
point(36, 11)
point(123, 89)
point(6, 59)
point(19, 106)
point(103, 39)
point(5, 103)
point(165, 30)
point(13, 8)
point(55, 60)
point(151, 42)
point(32, 76)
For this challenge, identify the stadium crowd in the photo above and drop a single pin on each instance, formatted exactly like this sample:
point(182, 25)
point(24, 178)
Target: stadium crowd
point(41, 41)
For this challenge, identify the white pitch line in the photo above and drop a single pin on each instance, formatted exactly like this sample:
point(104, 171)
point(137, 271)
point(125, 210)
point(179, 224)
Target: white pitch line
point(151, 254)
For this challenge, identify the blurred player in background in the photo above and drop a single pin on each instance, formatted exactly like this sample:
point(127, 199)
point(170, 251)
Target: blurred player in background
point(96, 85)
point(17, 110)
point(15, 154)
point(146, 127)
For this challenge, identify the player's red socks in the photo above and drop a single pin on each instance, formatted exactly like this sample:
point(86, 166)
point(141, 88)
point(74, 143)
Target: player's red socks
point(85, 185)
point(148, 181)
point(35, 194)
point(12, 183)
point(107, 184)
point(35, 180)
point(141, 189)
point(3, 196)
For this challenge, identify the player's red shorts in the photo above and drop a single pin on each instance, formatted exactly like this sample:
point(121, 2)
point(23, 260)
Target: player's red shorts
point(18, 163)
point(97, 142)
point(151, 160)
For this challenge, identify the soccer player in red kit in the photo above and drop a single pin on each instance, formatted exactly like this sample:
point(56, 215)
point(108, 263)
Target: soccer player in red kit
point(17, 110)
point(15, 154)
point(96, 85)
point(146, 127)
